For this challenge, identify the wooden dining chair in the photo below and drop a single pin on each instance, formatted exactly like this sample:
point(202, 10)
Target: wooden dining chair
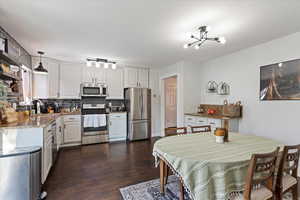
point(175, 131)
point(287, 172)
point(260, 178)
point(201, 129)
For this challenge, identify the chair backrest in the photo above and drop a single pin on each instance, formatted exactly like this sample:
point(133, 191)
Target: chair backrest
point(288, 163)
point(201, 129)
point(261, 171)
point(175, 131)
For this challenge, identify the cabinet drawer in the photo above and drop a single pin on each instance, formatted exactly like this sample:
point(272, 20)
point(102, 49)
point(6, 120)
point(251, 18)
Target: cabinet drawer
point(117, 116)
point(189, 119)
point(215, 122)
point(200, 121)
point(72, 118)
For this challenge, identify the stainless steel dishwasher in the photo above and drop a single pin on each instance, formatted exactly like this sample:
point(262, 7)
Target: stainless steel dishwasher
point(20, 174)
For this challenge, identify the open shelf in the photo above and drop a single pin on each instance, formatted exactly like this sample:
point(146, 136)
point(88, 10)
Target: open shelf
point(8, 76)
point(4, 56)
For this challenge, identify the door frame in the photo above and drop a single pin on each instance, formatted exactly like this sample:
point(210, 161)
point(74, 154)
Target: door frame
point(162, 105)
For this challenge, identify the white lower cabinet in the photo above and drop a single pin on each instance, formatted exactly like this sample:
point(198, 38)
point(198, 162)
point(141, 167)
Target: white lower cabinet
point(47, 153)
point(190, 120)
point(117, 126)
point(59, 131)
point(72, 129)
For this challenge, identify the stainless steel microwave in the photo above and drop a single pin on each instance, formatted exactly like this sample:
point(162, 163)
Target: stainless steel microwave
point(93, 89)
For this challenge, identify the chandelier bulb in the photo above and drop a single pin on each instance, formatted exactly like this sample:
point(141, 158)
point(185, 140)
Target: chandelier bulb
point(186, 46)
point(222, 40)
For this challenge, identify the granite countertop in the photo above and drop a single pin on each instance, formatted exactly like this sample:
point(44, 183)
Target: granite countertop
point(36, 121)
point(214, 116)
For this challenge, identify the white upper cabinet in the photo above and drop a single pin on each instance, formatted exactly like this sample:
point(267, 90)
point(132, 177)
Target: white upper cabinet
point(46, 86)
point(70, 79)
point(90, 74)
point(53, 79)
point(143, 78)
point(136, 77)
point(130, 77)
point(115, 83)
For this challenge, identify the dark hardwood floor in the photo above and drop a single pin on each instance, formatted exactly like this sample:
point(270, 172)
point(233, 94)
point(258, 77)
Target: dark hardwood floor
point(96, 172)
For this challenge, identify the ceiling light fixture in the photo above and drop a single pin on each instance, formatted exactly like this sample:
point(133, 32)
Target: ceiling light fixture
point(89, 63)
point(40, 69)
point(99, 61)
point(114, 66)
point(98, 64)
point(105, 65)
point(202, 37)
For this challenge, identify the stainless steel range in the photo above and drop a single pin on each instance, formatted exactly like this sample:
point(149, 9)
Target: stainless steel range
point(94, 120)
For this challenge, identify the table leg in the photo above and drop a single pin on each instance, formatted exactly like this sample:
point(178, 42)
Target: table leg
point(162, 166)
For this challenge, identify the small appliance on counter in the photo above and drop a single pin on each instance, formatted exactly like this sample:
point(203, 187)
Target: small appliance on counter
point(39, 106)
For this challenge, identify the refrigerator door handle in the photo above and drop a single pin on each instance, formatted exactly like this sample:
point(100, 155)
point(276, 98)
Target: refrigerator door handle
point(142, 104)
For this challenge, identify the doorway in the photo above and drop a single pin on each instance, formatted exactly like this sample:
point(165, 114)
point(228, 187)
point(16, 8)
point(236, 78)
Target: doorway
point(170, 94)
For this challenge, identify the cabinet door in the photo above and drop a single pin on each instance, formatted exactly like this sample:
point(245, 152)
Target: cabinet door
point(46, 86)
point(72, 132)
point(130, 77)
point(115, 83)
point(214, 123)
point(40, 82)
point(143, 78)
point(91, 74)
point(53, 79)
point(100, 75)
point(47, 157)
point(40, 86)
point(117, 126)
point(70, 79)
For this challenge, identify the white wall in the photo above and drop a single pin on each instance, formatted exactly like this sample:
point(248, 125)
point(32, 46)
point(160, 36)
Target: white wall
point(187, 97)
point(272, 119)
point(155, 100)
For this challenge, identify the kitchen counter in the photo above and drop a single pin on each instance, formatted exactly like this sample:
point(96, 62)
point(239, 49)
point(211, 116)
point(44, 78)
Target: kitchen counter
point(214, 116)
point(36, 121)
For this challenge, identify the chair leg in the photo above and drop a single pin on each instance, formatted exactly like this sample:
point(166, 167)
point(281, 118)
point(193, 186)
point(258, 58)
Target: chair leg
point(167, 174)
point(295, 192)
point(181, 191)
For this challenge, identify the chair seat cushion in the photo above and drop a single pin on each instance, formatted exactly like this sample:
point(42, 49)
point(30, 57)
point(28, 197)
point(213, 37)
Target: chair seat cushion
point(262, 193)
point(287, 182)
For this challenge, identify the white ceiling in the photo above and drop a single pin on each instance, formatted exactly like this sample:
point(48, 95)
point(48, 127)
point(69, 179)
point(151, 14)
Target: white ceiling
point(144, 32)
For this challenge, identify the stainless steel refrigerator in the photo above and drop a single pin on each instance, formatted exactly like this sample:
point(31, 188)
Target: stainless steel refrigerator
point(138, 106)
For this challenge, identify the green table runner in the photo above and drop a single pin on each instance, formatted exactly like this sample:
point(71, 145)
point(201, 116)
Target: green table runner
point(210, 170)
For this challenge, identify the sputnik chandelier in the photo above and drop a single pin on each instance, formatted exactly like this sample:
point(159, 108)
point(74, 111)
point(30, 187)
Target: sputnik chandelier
point(98, 61)
point(202, 37)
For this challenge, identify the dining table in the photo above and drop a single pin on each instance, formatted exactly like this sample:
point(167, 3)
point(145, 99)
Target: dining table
point(210, 170)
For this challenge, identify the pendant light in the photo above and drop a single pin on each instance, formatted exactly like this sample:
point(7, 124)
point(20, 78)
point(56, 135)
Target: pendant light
point(40, 69)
